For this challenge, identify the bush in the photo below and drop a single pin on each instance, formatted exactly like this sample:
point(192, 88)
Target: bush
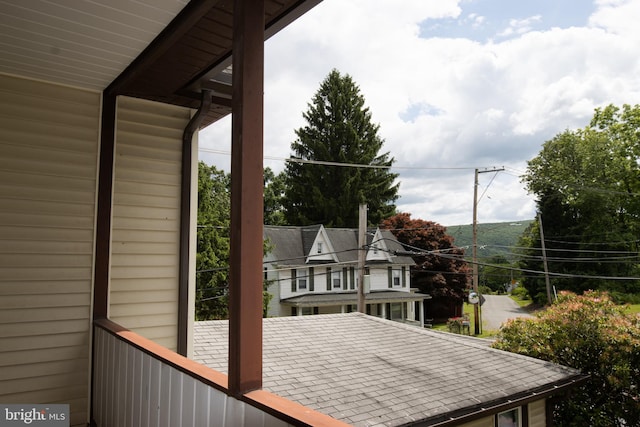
point(520, 292)
point(593, 334)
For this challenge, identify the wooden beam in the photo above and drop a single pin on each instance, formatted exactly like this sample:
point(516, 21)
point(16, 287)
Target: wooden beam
point(104, 207)
point(245, 289)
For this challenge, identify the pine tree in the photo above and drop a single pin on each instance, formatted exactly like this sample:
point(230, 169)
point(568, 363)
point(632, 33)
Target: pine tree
point(339, 129)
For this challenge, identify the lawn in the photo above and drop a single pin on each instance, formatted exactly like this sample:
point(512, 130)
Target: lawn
point(633, 308)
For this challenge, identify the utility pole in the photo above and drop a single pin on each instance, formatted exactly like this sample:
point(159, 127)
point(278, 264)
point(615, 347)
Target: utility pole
point(362, 253)
point(544, 260)
point(476, 307)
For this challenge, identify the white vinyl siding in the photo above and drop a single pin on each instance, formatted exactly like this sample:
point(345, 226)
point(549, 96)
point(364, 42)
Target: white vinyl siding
point(537, 413)
point(48, 168)
point(146, 218)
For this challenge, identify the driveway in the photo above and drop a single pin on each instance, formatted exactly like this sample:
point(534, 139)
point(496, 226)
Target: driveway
point(497, 309)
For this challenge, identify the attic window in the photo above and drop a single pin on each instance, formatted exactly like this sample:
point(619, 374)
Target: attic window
point(319, 247)
point(375, 249)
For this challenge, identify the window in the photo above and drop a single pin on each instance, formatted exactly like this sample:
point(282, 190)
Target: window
point(375, 249)
point(510, 418)
point(319, 247)
point(396, 278)
point(302, 279)
point(335, 279)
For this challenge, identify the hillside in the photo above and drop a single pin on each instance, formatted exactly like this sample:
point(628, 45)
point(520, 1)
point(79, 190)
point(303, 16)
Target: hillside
point(494, 239)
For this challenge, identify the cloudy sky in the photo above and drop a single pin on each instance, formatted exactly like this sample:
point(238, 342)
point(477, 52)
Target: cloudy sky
point(455, 85)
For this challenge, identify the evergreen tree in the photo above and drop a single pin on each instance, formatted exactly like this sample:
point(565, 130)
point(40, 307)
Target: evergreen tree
point(339, 129)
point(212, 259)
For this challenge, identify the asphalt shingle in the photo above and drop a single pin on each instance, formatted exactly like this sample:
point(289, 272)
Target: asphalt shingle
point(368, 371)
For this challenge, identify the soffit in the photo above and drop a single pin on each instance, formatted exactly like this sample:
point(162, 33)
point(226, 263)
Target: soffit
point(162, 50)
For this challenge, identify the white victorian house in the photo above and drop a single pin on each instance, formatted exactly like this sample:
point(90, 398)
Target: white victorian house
point(314, 270)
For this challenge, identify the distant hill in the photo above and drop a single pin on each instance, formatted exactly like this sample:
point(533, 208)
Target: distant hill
point(498, 238)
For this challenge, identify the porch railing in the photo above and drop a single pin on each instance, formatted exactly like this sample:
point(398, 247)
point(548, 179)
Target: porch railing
point(137, 383)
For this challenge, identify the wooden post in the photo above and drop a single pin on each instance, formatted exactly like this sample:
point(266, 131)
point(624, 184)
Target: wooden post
point(245, 287)
point(476, 309)
point(362, 253)
point(544, 260)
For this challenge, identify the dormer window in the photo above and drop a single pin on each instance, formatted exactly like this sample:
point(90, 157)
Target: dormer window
point(319, 247)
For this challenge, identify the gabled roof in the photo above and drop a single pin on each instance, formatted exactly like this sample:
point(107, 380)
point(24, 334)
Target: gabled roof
point(369, 371)
point(291, 245)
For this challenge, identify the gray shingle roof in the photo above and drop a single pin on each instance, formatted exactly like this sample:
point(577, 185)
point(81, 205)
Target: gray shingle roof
point(291, 245)
point(368, 371)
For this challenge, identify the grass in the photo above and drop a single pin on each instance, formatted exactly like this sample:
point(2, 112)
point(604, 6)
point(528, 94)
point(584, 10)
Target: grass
point(468, 309)
point(633, 309)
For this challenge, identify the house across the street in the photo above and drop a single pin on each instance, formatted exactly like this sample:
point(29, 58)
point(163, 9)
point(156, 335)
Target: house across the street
point(313, 270)
point(368, 371)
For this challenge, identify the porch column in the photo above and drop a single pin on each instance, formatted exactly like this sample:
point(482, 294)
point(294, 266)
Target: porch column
point(343, 309)
point(421, 314)
point(245, 287)
point(299, 311)
point(384, 310)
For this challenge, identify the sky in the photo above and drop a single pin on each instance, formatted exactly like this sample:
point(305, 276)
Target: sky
point(455, 85)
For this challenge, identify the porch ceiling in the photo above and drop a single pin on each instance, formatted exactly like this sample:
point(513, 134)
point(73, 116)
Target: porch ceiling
point(162, 50)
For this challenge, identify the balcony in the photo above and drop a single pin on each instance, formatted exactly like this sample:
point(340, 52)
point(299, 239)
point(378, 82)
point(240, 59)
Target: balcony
point(140, 383)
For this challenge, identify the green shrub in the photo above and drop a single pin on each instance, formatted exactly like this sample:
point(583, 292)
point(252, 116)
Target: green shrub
point(593, 334)
point(520, 292)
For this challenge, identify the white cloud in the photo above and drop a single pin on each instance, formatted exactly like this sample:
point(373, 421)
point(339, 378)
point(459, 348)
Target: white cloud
point(472, 104)
point(520, 26)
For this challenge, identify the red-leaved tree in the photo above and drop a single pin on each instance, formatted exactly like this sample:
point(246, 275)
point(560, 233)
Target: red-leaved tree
point(440, 270)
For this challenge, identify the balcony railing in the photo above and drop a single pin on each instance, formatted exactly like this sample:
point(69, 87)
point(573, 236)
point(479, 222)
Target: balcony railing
point(137, 382)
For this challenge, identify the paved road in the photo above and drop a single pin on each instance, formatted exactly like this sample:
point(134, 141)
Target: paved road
point(497, 309)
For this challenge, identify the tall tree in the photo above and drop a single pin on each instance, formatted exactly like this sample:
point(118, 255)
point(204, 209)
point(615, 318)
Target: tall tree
point(587, 183)
point(339, 129)
point(440, 270)
point(274, 186)
point(212, 258)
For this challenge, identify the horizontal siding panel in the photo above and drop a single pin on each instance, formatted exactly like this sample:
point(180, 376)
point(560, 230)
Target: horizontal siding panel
point(44, 208)
point(46, 111)
point(41, 287)
point(169, 169)
point(35, 180)
point(49, 313)
point(18, 130)
point(16, 246)
point(537, 414)
point(35, 329)
point(146, 217)
point(49, 395)
point(53, 259)
point(148, 189)
point(142, 272)
point(43, 273)
point(41, 369)
point(147, 206)
point(47, 233)
point(143, 260)
point(42, 91)
point(159, 324)
point(146, 247)
point(36, 342)
point(129, 297)
point(124, 236)
point(122, 310)
point(67, 379)
point(48, 168)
